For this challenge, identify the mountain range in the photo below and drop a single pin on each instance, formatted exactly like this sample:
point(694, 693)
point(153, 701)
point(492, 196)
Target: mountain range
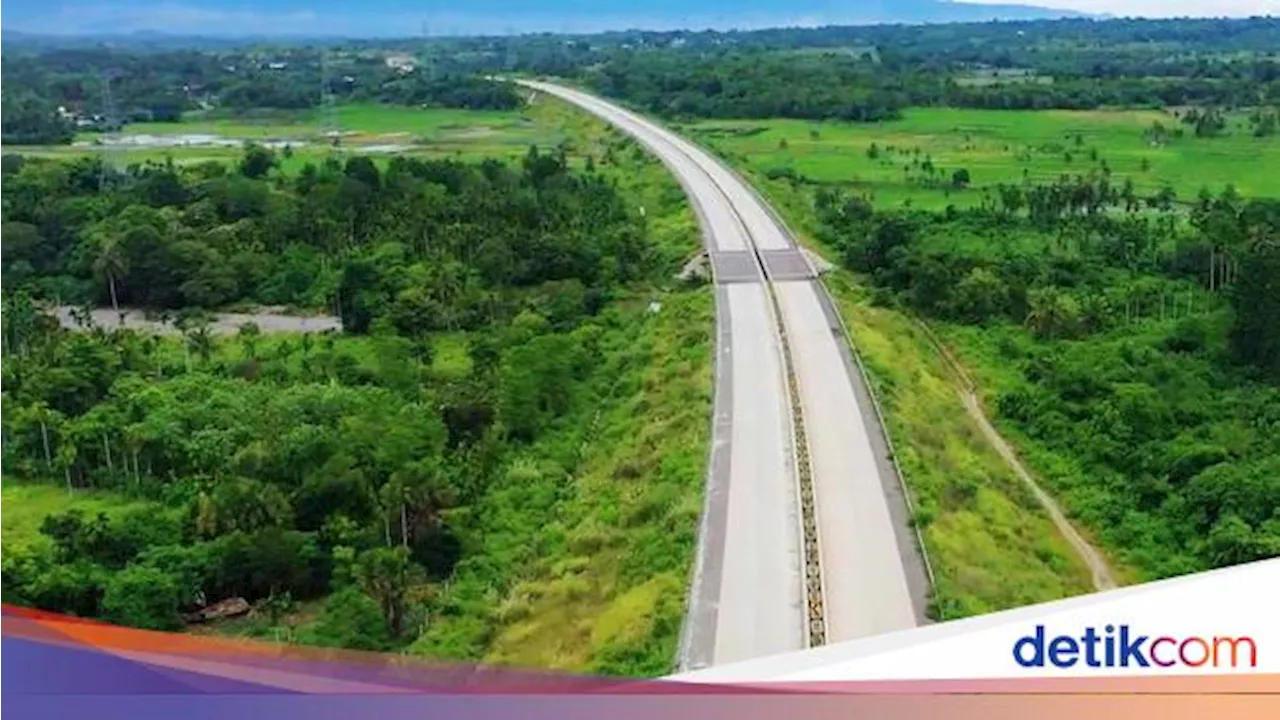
point(213, 18)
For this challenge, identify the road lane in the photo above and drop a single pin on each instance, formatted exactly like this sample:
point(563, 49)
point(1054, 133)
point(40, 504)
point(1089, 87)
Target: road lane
point(863, 574)
point(746, 600)
point(727, 234)
point(873, 577)
point(760, 600)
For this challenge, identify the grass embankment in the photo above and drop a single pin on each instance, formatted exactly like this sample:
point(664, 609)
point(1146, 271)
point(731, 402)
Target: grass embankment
point(998, 146)
point(597, 569)
point(991, 544)
point(594, 575)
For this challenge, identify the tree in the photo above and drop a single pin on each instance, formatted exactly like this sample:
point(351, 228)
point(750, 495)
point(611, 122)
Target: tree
point(1255, 296)
point(960, 179)
point(385, 573)
point(200, 340)
point(241, 504)
point(1052, 313)
point(23, 252)
point(349, 619)
point(143, 597)
point(249, 333)
point(111, 264)
point(980, 296)
point(75, 588)
point(257, 161)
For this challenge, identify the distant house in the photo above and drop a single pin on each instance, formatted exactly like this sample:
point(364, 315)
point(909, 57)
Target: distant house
point(277, 65)
point(400, 63)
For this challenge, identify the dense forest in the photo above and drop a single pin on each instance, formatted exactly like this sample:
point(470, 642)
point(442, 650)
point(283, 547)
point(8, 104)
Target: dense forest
point(870, 73)
point(864, 74)
point(101, 89)
point(351, 468)
point(1137, 354)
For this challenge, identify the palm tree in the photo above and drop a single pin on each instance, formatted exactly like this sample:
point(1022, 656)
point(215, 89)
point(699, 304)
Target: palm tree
point(82, 316)
point(8, 414)
point(248, 334)
point(201, 340)
point(40, 414)
point(111, 264)
point(1051, 312)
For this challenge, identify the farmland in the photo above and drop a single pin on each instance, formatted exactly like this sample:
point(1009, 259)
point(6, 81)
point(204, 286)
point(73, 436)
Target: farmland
point(365, 128)
point(1156, 299)
point(997, 146)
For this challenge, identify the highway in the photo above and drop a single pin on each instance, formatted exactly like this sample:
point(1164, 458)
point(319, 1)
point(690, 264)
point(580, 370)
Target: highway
point(799, 475)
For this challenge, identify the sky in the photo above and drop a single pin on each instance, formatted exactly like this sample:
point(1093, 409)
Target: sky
point(406, 17)
point(1160, 8)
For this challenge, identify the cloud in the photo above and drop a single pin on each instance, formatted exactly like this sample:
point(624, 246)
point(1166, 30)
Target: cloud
point(1158, 8)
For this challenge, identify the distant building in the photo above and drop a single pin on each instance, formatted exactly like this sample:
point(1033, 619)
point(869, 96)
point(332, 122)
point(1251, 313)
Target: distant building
point(400, 63)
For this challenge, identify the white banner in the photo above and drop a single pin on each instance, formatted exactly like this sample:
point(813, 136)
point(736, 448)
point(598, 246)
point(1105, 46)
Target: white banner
point(1220, 622)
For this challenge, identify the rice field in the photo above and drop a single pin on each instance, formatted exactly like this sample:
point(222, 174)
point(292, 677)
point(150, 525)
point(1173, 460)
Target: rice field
point(997, 146)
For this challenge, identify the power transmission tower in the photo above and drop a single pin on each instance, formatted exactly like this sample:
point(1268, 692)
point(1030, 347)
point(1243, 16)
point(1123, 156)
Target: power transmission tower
point(109, 142)
point(508, 58)
point(328, 112)
point(428, 53)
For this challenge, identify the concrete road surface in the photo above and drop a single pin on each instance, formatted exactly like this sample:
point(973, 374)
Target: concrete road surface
point(746, 598)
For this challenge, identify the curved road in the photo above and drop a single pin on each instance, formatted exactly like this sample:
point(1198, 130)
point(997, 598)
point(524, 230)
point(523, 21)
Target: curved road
point(746, 600)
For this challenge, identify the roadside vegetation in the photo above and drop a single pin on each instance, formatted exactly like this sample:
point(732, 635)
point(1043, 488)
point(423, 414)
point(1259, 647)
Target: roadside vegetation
point(1069, 229)
point(991, 545)
point(1131, 357)
point(514, 415)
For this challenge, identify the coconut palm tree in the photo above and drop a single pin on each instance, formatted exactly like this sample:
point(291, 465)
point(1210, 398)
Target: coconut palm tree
point(201, 340)
point(111, 264)
point(249, 334)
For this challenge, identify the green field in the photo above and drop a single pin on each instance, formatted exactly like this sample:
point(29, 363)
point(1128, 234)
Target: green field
point(26, 506)
point(369, 127)
point(997, 146)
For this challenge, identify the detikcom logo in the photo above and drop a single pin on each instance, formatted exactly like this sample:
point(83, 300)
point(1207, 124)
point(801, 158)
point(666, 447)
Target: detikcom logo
point(1120, 646)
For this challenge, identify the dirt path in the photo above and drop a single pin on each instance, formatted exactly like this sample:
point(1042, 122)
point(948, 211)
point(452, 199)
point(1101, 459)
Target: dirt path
point(1088, 554)
point(269, 320)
